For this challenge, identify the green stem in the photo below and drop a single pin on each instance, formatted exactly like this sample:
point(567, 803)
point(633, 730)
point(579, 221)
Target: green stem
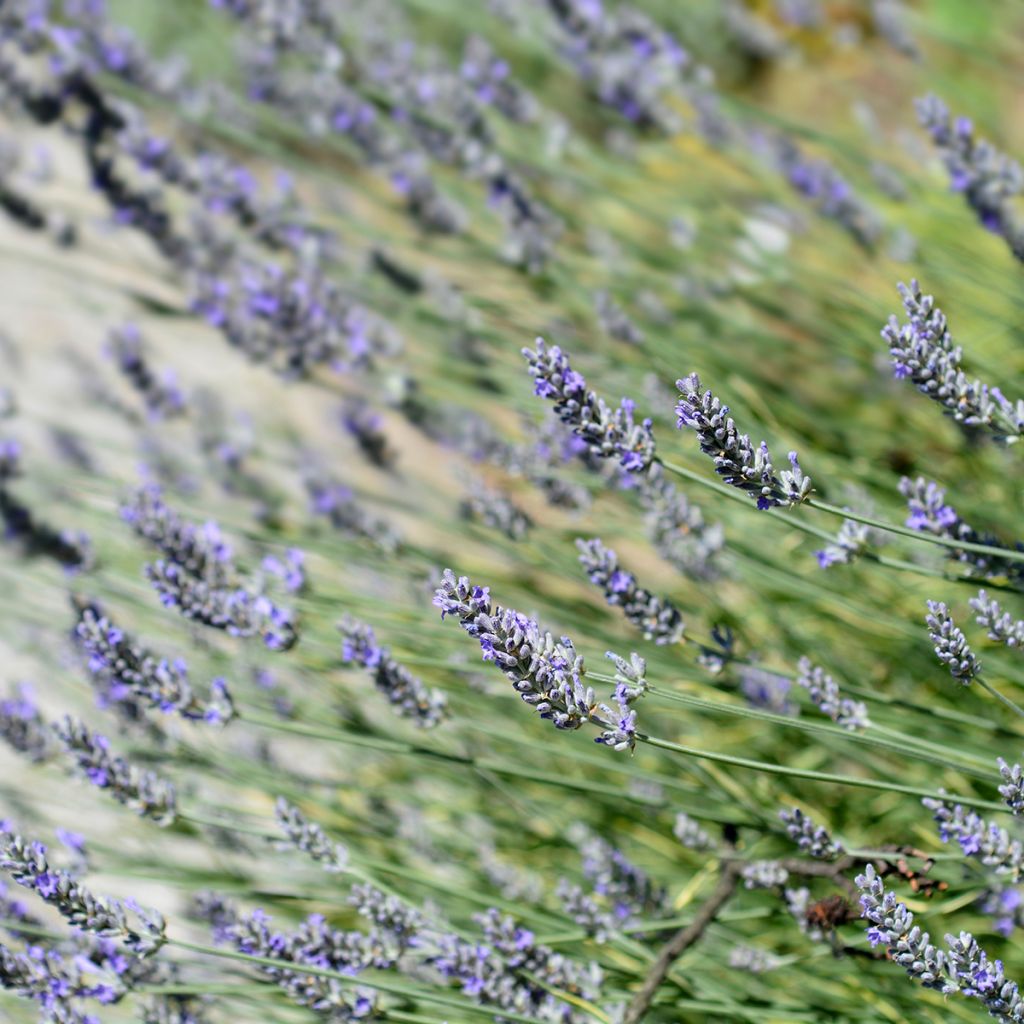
point(814, 776)
point(1015, 708)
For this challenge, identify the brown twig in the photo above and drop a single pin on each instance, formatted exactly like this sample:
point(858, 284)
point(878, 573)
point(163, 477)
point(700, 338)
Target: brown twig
point(680, 942)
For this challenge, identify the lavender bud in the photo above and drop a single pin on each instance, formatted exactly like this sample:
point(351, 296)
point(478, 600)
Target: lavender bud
point(851, 542)
point(309, 837)
point(1001, 626)
point(27, 865)
point(691, 835)
point(609, 434)
point(767, 690)
point(763, 874)
point(951, 645)
point(812, 839)
point(752, 959)
point(614, 321)
point(163, 398)
point(143, 791)
point(656, 618)
point(585, 911)
point(497, 511)
point(736, 460)
point(991, 844)
point(922, 350)
point(407, 694)
point(1013, 789)
point(824, 692)
point(22, 726)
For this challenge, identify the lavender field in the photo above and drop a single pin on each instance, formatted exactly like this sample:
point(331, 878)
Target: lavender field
point(403, 617)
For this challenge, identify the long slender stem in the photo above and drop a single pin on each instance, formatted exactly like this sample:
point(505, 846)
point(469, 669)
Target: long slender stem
point(680, 942)
point(989, 688)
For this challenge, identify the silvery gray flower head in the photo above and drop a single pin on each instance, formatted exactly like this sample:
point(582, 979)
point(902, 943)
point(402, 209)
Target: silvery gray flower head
point(143, 791)
point(608, 433)
point(630, 676)
point(767, 690)
point(951, 645)
point(630, 890)
point(26, 863)
point(689, 832)
point(678, 529)
point(798, 902)
point(922, 350)
point(388, 913)
point(813, 840)
point(979, 977)
point(308, 837)
point(988, 179)
point(824, 692)
point(163, 398)
point(126, 665)
point(736, 460)
point(496, 510)
point(547, 674)
point(1002, 627)
point(851, 542)
point(22, 726)
point(1012, 790)
point(658, 619)
point(407, 694)
point(977, 837)
point(892, 924)
point(763, 874)
point(585, 911)
point(752, 959)
point(330, 498)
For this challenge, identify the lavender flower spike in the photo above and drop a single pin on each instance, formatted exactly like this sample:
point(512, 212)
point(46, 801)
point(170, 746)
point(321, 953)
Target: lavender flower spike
point(546, 673)
point(143, 791)
point(991, 844)
point(893, 925)
point(812, 839)
point(691, 835)
point(27, 865)
point(658, 619)
point(1012, 790)
point(922, 350)
point(1001, 626)
point(309, 837)
point(824, 692)
point(407, 694)
point(736, 460)
point(609, 434)
point(950, 643)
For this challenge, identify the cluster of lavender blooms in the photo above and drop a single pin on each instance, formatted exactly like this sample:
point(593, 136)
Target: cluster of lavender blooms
point(336, 502)
point(824, 693)
point(988, 179)
point(658, 619)
point(128, 668)
point(197, 576)
point(851, 542)
point(826, 190)
point(677, 527)
point(495, 510)
point(547, 674)
point(26, 863)
point(977, 837)
point(1006, 906)
point(629, 62)
point(753, 959)
point(1002, 626)
point(736, 460)
point(1012, 790)
point(313, 944)
point(406, 693)
point(290, 570)
point(690, 833)
point(25, 209)
point(22, 726)
point(364, 426)
point(813, 840)
point(767, 690)
point(962, 967)
point(763, 874)
point(163, 398)
point(922, 351)
point(951, 647)
point(608, 433)
point(70, 549)
point(510, 970)
point(309, 838)
point(144, 792)
point(929, 513)
point(630, 891)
